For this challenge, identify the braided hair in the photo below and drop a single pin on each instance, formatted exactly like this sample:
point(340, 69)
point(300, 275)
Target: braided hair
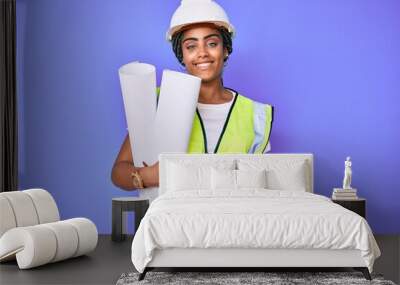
point(177, 43)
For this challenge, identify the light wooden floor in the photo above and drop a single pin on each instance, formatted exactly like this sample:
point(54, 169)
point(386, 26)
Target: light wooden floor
point(110, 260)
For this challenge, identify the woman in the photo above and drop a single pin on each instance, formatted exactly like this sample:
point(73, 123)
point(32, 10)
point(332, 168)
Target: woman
point(225, 121)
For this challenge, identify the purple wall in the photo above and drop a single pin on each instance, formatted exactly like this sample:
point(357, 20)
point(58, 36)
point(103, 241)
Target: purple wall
point(331, 69)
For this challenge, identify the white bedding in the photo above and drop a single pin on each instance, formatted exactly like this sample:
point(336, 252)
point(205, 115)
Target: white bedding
point(250, 218)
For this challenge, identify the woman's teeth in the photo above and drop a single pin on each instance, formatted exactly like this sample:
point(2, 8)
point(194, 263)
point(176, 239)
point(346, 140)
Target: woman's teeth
point(203, 66)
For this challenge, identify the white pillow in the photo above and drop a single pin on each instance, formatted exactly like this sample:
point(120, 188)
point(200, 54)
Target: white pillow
point(282, 174)
point(223, 179)
point(251, 178)
point(193, 174)
point(236, 179)
point(187, 177)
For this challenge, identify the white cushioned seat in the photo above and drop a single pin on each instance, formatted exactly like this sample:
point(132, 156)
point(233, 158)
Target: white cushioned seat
point(22, 207)
point(31, 232)
point(66, 236)
point(7, 220)
point(46, 207)
point(87, 234)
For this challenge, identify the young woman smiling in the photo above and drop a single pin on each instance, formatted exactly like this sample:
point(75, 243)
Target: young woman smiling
point(225, 121)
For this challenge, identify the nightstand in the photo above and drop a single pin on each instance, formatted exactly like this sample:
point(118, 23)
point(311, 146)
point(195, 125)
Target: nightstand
point(120, 206)
point(357, 205)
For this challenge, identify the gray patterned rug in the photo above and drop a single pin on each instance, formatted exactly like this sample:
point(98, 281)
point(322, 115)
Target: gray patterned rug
point(269, 278)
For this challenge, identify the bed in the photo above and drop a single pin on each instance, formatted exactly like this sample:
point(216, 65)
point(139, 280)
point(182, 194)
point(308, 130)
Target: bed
point(245, 210)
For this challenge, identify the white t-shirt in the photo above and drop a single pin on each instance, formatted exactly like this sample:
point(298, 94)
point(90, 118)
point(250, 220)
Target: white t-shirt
point(213, 117)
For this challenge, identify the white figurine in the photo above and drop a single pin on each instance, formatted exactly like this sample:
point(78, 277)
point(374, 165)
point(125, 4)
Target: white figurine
point(347, 174)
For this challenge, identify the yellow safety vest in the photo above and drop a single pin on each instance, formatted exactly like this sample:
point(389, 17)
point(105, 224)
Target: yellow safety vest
point(247, 128)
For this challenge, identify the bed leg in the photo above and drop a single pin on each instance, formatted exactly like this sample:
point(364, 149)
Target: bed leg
point(143, 274)
point(364, 271)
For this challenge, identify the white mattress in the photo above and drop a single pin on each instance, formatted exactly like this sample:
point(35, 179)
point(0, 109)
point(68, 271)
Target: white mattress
point(252, 218)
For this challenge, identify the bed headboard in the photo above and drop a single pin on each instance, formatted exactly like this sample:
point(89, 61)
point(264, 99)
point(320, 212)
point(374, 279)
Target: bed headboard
point(164, 158)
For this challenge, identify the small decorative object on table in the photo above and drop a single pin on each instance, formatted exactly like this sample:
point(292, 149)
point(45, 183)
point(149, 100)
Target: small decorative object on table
point(347, 196)
point(119, 208)
point(344, 194)
point(347, 192)
point(347, 174)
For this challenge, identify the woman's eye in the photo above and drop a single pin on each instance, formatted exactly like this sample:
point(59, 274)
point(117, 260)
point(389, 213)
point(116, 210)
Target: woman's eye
point(190, 47)
point(212, 44)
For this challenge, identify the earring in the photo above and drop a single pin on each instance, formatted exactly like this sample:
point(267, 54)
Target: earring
point(225, 63)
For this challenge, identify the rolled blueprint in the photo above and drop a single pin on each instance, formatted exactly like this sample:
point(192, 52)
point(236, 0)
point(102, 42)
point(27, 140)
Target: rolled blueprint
point(152, 129)
point(138, 85)
point(177, 103)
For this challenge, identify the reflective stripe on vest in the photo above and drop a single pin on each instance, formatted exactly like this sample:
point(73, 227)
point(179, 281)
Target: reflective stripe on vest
point(246, 130)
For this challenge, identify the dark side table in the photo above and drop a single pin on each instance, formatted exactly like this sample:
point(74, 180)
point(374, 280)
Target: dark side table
point(122, 205)
point(357, 205)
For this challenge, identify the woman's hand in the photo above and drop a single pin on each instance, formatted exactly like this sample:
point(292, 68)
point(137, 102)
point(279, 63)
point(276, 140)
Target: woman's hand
point(149, 174)
point(129, 177)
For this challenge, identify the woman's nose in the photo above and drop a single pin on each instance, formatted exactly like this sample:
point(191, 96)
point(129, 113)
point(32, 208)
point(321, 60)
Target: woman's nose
point(202, 51)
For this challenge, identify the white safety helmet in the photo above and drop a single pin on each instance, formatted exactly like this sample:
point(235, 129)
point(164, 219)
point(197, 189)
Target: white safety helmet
point(198, 11)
